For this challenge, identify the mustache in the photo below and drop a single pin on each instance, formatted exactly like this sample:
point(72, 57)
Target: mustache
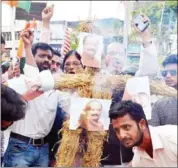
point(125, 139)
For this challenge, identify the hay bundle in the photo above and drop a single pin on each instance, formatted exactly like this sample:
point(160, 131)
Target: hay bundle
point(70, 81)
point(160, 88)
point(69, 146)
point(108, 82)
point(94, 151)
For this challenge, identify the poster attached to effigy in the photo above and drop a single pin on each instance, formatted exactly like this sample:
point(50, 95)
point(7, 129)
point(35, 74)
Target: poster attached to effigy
point(138, 90)
point(91, 114)
point(91, 48)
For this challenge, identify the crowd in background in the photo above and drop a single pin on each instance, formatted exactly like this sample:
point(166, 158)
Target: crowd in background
point(34, 124)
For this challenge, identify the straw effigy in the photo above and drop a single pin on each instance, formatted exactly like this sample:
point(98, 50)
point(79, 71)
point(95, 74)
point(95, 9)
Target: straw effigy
point(107, 82)
point(93, 85)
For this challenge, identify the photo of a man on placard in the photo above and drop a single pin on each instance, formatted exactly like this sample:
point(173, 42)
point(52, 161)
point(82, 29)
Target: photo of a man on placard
point(90, 48)
point(138, 90)
point(90, 114)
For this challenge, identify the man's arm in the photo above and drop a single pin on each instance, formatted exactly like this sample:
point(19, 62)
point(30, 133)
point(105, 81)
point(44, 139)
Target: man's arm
point(148, 65)
point(30, 68)
point(31, 88)
point(45, 33)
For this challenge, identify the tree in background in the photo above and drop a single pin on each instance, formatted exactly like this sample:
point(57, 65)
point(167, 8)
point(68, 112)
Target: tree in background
point(163, 16)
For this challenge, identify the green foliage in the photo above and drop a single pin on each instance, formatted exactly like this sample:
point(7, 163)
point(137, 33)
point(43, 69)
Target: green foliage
point(154, 11)
point(74, 40)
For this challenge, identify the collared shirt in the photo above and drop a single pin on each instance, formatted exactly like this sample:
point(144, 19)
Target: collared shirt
point(40, 114)
point(164, 140)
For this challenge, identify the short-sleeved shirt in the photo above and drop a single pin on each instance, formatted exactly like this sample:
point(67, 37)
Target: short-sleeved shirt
point(164, 141)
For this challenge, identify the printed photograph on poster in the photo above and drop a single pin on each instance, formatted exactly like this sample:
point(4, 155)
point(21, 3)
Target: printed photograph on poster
point(90, 48)
point(138, 90)
point(91, 114)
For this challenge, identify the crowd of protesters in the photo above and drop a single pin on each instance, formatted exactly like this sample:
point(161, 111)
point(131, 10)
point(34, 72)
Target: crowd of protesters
point(34, 123)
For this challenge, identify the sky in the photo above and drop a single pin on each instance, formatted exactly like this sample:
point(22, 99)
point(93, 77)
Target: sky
point(76, 10)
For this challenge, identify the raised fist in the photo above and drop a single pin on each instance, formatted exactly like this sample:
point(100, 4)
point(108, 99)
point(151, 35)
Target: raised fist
point(47, 13)
point(27, 37)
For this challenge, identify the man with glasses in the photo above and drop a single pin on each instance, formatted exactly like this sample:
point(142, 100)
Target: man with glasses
point(164, 111)
point(29, 145)
point(170, 70)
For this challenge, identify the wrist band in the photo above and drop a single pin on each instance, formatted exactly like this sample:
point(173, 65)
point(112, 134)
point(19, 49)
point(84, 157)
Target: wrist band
point(47, 81)
point(18, 84)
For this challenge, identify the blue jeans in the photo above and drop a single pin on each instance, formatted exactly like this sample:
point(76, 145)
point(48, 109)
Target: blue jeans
point(24, 154)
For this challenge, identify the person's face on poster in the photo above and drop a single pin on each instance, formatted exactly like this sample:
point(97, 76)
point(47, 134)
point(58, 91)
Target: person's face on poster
point(141, 98)
point(115, 57)
point(90, 46)
point(94, 111)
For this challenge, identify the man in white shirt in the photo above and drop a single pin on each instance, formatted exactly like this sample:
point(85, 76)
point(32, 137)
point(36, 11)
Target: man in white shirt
point(28, 145)
point(152, 146)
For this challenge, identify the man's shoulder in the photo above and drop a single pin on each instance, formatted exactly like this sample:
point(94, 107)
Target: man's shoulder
point(166, 103)
point(166, 131)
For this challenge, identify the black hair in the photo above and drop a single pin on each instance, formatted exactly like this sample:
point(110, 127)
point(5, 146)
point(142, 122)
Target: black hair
point(42, 46)
point(5, 66)
point(171, 59)
point(2, 40)
point(56, 52)
point(72, 52)
point(124, 107)
point(12, 104)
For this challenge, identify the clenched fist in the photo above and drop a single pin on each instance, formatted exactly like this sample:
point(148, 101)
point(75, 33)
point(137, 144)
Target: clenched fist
point(47, 13)
point(27, 37)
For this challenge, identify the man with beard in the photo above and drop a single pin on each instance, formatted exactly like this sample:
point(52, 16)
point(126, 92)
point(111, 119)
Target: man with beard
point(28, 143)
point(43, 54)
point(152, 146)
point(91, 116)
point(115, 58)
point(56, 62)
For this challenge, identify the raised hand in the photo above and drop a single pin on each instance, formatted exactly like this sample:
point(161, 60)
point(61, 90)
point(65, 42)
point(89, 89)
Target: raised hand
point(47, 13)
point(27, 37)
point(145, 35)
